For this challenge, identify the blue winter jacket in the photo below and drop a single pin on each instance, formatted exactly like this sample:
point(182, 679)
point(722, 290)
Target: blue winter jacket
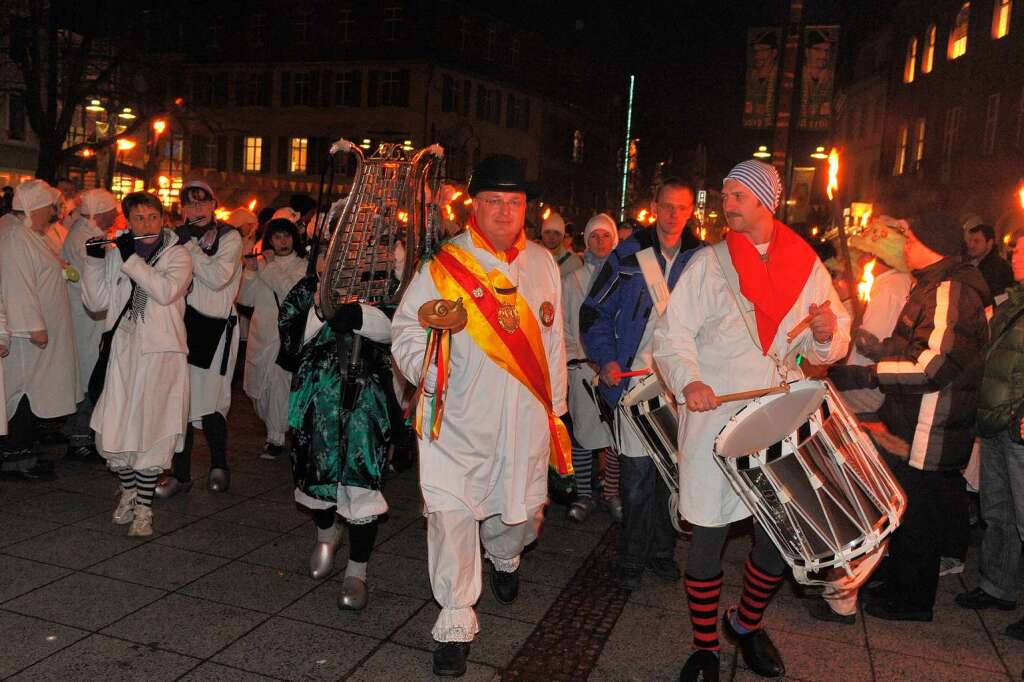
point(614, 315)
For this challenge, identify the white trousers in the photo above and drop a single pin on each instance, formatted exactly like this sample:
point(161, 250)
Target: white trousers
point(453, 554)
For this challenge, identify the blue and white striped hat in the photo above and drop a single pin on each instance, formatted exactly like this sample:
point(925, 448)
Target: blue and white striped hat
point(761, 178)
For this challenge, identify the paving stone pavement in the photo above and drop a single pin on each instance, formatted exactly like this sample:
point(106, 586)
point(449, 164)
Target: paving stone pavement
point(221, 592)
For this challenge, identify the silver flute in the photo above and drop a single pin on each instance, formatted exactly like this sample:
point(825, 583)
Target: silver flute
point(188, 223)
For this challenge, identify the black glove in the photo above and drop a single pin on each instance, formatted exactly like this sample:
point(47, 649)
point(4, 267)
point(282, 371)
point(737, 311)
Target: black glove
point(126, 245)
point(847, 377)
point(94, 250)
point(868, 345)
point(347, 318)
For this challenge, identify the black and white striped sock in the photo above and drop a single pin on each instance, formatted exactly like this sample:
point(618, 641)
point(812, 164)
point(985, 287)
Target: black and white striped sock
point(146, 482)
point(127, 476)
point(583, 465)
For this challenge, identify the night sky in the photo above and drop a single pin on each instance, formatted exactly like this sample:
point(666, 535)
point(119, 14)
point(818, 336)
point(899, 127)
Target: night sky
point(689, 58)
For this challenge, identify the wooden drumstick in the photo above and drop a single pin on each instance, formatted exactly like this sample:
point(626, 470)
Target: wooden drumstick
point(804, 324)
point(755, 393)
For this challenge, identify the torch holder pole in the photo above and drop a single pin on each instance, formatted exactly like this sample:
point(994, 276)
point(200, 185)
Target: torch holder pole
point(844, 254)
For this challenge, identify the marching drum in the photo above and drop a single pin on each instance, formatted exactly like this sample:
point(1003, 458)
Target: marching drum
point(811, 477)
point(651, 413)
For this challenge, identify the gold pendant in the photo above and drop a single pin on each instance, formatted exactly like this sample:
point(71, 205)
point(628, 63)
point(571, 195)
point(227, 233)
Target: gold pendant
point(508, 317)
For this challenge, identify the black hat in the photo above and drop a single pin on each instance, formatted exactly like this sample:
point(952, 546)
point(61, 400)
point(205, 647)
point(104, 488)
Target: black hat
point(940, 232)
point(500, 173)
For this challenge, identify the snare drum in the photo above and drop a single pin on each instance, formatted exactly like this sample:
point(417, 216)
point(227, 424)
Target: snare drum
point(650, 412)
point(811, 477)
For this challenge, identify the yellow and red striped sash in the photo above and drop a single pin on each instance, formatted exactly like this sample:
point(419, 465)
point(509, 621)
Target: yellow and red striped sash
point(457, 274)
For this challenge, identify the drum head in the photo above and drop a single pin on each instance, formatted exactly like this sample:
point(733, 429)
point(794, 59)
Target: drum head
point(646, 388)
point(763, 423)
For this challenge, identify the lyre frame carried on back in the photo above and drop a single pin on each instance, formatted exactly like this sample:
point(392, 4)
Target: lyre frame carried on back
point(391, 200)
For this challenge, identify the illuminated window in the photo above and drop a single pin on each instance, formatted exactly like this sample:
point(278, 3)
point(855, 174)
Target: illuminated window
point(911, 61)
point(918, 158)
point(958, 35)
point(297, 155)
point(991, 124)
point(901, 151)
point(252, 162)
point(928, 56)
point(1001, 18)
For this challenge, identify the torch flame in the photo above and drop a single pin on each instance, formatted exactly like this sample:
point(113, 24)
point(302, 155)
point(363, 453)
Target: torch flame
point(866, 218)
point(252, 205)
point(403, 217)
point(642, 215)
point(1020, 194)
point(546, 214)
point(833, 173)
point(867, 280)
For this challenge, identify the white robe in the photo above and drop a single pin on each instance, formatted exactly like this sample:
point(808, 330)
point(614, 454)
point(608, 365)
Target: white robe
point(702, 337)
point(587, 428)
point(888, 296)
point(215, 283)
point(492, 455)
point(33, 287)
point(5, 341)
point(265, 381)
point(87, 324)
point(140, 417)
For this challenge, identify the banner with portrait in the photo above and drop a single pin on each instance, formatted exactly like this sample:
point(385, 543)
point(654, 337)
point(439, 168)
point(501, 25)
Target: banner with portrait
point(762, 77)
point(820, 45)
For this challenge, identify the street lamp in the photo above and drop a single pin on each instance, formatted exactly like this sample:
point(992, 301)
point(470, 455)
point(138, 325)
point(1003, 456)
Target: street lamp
point(819, 153)
point(762, 153)
point(94, 106)
point(124, 144)
point(127, 114)
point(159, 126)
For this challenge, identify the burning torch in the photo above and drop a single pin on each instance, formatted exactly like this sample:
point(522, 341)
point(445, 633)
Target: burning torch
point(832, 190)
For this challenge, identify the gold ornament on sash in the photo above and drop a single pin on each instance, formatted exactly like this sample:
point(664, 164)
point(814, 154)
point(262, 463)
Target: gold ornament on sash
point(508, 314)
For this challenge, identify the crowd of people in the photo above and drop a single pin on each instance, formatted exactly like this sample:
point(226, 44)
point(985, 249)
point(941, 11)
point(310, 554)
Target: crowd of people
point(510, 361)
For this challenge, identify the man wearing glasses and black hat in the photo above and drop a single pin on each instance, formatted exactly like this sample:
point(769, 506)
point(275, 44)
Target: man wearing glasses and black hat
point(501, 370)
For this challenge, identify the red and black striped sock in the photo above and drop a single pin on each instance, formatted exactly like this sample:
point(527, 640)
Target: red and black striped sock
point(758, 589)
point(702, 597)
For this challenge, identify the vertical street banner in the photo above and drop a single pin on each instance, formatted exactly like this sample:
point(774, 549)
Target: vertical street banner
point(817, 77)
point(762, 77)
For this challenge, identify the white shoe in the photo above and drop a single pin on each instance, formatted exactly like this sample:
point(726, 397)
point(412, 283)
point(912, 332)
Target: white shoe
point(950, 566)
point(125, 511)
point(142, 524)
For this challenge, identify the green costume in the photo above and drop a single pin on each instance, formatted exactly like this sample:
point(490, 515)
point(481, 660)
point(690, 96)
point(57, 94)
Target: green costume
point(333, 446)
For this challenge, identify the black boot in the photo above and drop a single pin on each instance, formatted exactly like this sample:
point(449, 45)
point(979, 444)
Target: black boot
point(759, 653)
point(505, 586)
point(701, 666)
point(450, 659)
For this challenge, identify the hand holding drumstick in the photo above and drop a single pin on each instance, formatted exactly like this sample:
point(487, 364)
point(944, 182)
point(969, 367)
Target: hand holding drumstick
point(820, 320)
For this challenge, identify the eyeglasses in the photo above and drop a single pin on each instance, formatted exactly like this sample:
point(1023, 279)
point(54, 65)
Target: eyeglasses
point(496, 203)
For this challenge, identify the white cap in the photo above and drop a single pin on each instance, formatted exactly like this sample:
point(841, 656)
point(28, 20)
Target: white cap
point(602, 221)
point(286, 213)
point(241, 217)
point(554, 223)
point(28, 196)
point(96, 201)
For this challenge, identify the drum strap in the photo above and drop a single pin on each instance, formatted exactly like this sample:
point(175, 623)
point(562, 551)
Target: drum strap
point(654, 277)
point(746, 308)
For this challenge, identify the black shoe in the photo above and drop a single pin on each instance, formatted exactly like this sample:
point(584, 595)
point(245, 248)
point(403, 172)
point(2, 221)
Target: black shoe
point(665, 568)
point(759, 653)
point(504, 585)
point(894, 610)
point(1015, 630)
point(82, 453)
point(979, 599)
point(628, 578)
point(819, 610)
point(450, 659)
point(701, 666)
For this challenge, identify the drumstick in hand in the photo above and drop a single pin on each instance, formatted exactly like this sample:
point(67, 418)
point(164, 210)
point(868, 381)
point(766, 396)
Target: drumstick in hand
point(803, 324)
point(756, 393)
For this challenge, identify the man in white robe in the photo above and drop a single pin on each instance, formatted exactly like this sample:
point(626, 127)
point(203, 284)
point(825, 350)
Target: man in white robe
point(266, 282)
point(40, 371)
point(589, 433)
point(97, 213)
point(704, 348)
point(484, 478)
point(211, 321)
point(140, 415)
